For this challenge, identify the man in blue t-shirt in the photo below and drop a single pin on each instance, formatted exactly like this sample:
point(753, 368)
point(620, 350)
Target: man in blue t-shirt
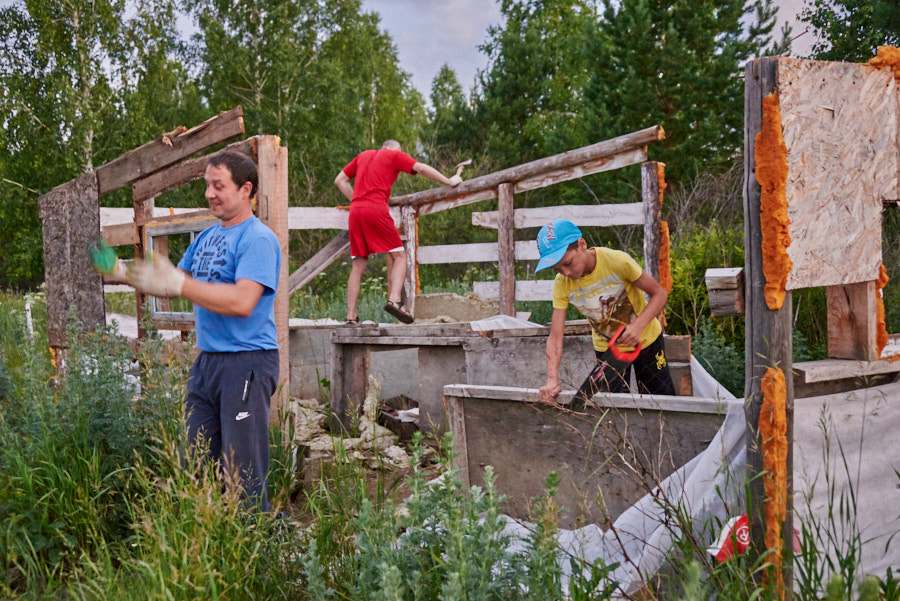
point(230, 272)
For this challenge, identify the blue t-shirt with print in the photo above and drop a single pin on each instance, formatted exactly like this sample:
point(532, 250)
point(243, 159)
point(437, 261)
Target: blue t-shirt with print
point(246, 251)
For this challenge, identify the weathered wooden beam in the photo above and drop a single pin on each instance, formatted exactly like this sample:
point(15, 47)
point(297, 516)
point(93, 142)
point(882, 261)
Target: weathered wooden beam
point(272, 210)
point(583, 215)
point(327, 218)
point(606, 163)
point(537, 168)
point(725, 286)
point(678, 348)
point(526, 290)
point(168, 149)
point(769, 336)
point(70, 223)
point(827, 370)
point(327, 255)
point(121, 234)
point(185, 172)
point(651, 206)
point(411, 233)
point(479, 252)
point(851, 321)
point(506, 247)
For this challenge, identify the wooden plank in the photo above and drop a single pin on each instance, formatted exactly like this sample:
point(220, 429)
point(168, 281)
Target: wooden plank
point(648, 402)
point(186, 171)
point(120, 235)
point(272, 210)
point(724, 278)
point(399, 340)
point(837, 369)
point(826, 115)
point(681, 378)
point(583, 215)
point(526, 290)
point(349, 383)
point(506, 250)
point(327, 255)
point(457, 421)
point(411, 232)
point(851, 321)
point(769, 335)
point(327, 218)
point(70, 223)
point(482, 252)
point(536, 168)
point(726, 291)
point(616, 161)
point(173, 321)
point(651, 203)
point(110, 216)
point(168, 149)
point(457, 201)
point(678, 348)
point(189, 222)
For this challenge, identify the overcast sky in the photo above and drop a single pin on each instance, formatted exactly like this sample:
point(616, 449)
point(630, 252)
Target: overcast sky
point(429, 33)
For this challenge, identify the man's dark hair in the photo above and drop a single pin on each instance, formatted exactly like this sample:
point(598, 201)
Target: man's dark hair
point(242, 168)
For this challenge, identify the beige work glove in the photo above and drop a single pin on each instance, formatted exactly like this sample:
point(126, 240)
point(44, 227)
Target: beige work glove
point(455, 180)
point(156, 276)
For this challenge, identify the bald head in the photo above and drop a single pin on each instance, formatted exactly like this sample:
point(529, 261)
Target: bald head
point(391, 145)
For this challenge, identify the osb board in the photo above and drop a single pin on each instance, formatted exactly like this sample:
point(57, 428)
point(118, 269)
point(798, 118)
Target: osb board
point(70, 220)
point(840, 123)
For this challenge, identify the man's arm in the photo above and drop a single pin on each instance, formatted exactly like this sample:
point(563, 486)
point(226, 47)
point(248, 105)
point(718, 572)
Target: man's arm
point(235, 300)
point(631, 335)
point(549, 390)
point(160, 278)
point(435, 175)
point(343, 184)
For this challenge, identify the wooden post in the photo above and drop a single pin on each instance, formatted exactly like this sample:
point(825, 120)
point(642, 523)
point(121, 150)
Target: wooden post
point(506, 246)
point(143, 212)
point(851, 321)
point(650, 195)
point(70, 221)
point(349, 383)
point(410, 232)
point(768, 338)
point(272, 209)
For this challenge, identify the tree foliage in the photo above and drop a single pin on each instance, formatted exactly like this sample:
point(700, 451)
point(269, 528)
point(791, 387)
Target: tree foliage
point(852, 30)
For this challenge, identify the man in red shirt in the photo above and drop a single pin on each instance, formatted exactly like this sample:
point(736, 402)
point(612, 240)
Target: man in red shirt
point(371, 227)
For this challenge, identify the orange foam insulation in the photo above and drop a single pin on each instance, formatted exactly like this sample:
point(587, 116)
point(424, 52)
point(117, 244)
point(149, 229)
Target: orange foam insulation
point(887, 56)
point(773, 437)
point(665, 268)
point(770, 153)
point(881, 334)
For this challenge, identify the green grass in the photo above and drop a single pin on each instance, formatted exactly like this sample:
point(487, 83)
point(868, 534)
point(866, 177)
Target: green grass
point(98, 500)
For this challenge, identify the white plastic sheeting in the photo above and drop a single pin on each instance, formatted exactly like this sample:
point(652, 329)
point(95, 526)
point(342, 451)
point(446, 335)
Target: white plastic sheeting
point(642, 535)
point(852, 437)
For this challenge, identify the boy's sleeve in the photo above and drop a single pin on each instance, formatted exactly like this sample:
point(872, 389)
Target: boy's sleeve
point(560, 295)
point(625, 266)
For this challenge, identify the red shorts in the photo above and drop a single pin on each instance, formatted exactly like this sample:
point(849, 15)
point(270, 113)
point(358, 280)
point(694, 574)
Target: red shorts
point(372, 231)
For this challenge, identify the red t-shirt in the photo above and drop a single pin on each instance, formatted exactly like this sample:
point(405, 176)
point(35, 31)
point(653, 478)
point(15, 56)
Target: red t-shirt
point(374, 172)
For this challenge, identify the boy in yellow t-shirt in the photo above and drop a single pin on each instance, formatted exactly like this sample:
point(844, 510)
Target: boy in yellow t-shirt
point(608, 287)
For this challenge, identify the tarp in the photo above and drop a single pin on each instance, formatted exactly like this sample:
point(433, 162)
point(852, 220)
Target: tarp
point(850, 437)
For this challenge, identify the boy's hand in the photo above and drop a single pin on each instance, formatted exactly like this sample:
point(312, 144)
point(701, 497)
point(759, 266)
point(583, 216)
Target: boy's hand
point(549, 391)
point(630, 336)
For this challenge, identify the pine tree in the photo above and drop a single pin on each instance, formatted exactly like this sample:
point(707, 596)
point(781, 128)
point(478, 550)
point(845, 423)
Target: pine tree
point(852, 30)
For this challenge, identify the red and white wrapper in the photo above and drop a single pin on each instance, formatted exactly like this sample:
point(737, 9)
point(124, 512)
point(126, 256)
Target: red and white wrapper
point(733, 540)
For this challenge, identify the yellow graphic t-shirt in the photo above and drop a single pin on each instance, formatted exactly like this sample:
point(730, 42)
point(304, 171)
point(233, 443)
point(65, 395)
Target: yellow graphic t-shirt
point(607, 298)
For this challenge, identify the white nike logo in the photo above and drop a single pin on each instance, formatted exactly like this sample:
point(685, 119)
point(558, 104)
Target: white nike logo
point(242, 415)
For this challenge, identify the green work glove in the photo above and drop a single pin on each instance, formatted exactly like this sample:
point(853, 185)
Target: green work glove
point(105, 259)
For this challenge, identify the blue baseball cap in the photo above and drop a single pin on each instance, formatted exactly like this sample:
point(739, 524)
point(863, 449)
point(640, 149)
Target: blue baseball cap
point(553, 240)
